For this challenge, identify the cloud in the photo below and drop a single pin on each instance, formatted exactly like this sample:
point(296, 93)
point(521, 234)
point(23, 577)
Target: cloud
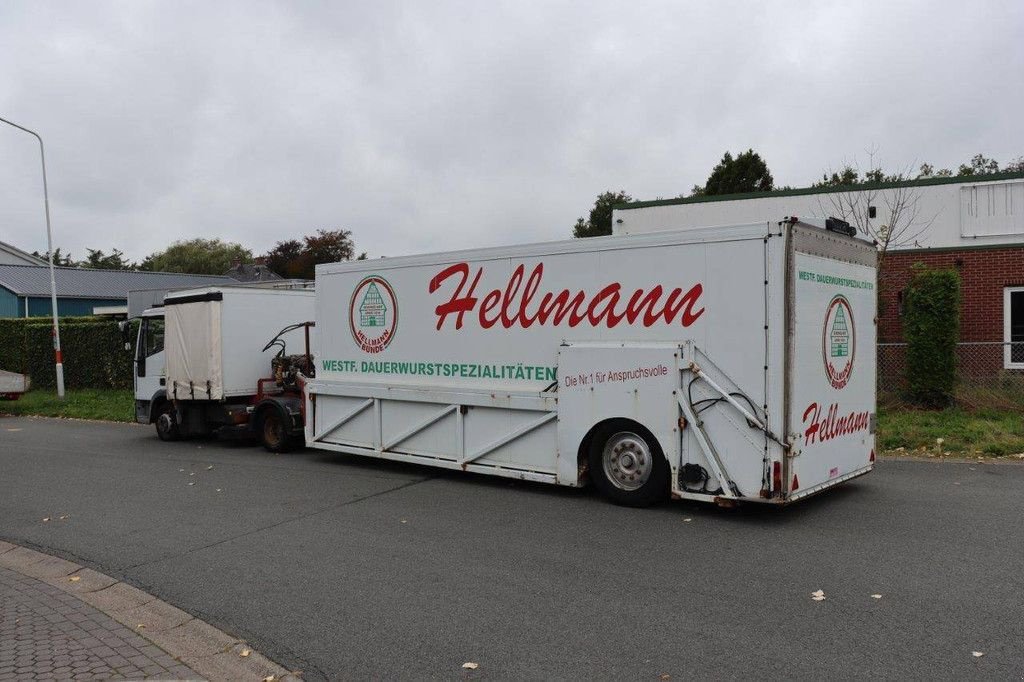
point(430, 126)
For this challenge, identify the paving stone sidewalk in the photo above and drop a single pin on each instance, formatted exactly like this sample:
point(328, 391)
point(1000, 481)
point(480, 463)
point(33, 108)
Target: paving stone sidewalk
point(47, 633)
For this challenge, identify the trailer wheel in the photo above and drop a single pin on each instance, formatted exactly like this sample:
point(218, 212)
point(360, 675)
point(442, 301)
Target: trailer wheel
point(273, 433)
point(628, 466)
point(167, 422)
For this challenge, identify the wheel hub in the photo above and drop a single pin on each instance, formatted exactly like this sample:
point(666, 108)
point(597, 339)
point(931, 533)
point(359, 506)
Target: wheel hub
point(627, 460)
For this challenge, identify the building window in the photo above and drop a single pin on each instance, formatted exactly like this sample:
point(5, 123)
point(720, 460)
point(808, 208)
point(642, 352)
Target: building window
point(1013, 327)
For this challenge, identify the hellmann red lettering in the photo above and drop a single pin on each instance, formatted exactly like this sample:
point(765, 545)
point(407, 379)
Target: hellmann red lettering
point(832, 425)
point(514, 305)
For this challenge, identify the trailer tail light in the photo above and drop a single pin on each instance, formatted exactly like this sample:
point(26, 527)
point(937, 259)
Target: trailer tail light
point(796, 484)
point(872, 457)
point(777, 477)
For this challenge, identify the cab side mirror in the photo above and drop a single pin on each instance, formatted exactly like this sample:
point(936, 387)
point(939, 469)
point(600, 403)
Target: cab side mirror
point(125, 327)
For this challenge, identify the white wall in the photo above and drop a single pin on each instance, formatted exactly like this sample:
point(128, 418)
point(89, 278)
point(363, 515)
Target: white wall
point(961, 214)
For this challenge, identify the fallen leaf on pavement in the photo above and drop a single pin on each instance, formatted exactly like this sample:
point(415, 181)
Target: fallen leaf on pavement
point(876, 596)
point(75, 578)
point(469, 665)
point(245, 652)
point(819, 595)
point(977, 654)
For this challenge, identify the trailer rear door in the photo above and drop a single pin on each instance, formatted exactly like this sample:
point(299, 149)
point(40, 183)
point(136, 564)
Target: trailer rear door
point(192, 346)
point(831, 306)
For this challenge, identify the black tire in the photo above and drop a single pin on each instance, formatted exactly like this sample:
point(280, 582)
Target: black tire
point(167, 422)
point(627, 465)
point(273, 431)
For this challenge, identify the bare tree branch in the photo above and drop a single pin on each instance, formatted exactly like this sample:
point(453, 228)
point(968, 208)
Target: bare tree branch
point(856, 193)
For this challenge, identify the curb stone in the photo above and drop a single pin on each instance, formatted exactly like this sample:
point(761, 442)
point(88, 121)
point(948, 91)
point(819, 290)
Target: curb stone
point(210, 652)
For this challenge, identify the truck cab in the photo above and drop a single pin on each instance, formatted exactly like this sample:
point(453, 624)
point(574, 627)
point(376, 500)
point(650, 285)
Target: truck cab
point(150, 369)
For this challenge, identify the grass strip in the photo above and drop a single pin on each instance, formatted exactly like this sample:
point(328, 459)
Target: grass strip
point(86, 403)
point(951, 432)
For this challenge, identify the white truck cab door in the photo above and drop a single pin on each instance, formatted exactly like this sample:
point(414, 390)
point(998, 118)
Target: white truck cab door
point(149, 358)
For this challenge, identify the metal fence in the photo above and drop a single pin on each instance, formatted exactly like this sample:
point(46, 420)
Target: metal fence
point(982, 378)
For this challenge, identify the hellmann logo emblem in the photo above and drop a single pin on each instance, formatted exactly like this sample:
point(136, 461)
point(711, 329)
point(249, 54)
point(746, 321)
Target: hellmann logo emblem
point(524, 303)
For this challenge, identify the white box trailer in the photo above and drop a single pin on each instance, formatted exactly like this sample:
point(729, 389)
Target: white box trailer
point(719, 364)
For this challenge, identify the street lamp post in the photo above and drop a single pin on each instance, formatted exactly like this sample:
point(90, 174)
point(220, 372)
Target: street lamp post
point(57, 356)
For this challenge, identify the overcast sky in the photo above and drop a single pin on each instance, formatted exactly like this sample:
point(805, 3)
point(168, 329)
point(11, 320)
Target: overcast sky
point(424, 126)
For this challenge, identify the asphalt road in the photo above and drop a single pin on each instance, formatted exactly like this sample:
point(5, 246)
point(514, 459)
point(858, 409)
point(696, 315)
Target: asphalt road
point(350, 568)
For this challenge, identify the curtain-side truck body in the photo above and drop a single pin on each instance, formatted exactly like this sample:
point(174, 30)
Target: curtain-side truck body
point(720, 364)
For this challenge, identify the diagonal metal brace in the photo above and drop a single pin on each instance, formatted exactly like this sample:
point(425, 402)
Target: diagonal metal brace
point(709, 450)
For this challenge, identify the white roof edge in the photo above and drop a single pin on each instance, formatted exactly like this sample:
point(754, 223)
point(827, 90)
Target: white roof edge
point(15, 251)
point(240, 288)
point(708, 234)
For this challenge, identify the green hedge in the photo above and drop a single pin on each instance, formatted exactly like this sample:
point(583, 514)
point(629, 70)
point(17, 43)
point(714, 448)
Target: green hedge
point(931, 324)
point(93, 349)
point(12, 344)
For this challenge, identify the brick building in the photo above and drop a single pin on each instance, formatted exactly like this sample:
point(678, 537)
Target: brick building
point(992, 307)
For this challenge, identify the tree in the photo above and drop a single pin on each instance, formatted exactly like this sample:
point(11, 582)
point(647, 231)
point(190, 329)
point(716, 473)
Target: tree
point(746, 173)
point(866, 191)
point(931, 322)
point(329, 246)
point(979, 165)
point(298, 260)
point(197, 256)
point(281, 258)
point(928, 171)
point(600, 221)
point(98, 260)
point(59, 259)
